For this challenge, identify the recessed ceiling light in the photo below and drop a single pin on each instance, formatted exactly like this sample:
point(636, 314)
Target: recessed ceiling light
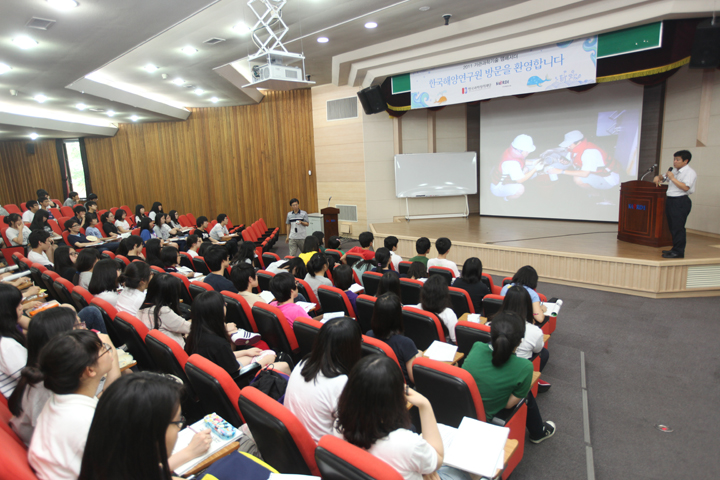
point(424, 9)
point(34, 136)
point(322, 40)
point(96, 110)
point(199, 91)
point(81, 106)
point(4, 68)
point(241, 28)
point(24, 42)
point(40, 98)
point(134, 118)
point(150, 67)
point(370, 25)
point(178, 81)
point(188, 50)
point(63, 4)
point(110, 113)
point(214, 99)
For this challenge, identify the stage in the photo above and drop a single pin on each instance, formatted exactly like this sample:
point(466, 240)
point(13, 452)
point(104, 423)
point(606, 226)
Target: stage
point(583, 254)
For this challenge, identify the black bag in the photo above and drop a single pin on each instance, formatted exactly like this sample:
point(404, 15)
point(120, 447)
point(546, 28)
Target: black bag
point(271, 383)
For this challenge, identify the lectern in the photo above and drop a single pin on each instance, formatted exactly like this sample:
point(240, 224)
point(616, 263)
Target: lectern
point(330, 222)
point(642, 214)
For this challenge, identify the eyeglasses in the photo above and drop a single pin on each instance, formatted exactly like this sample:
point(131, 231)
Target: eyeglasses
point(105, 348)
point(180, 423)
point(73, 254)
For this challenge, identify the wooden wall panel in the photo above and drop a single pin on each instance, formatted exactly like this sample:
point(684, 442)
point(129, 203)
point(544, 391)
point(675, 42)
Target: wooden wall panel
point(244, 161)
point(21, 175)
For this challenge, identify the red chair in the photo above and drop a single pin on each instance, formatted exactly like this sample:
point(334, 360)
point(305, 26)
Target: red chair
point(61, 222)
point(186, 261)
point(113, 210)
point(410, 291)
point(365, 304)
point(268, 258)
point(339, 460)
point(36, 271)
point(81, 297)
point(123, 259)
point(108, 254)
point(404, 266)
point(67, 212)
point(239, 312)
point(353, 258)
point(132, 333)
point(55, 227)
point(215, 388)
point(282, 440)
point(184, 221)
point(307, 291)
point(185, 294)
point(491, 304)
point(488, 280)
point(9, 251)
point(196, 288)
point(14, 456)
point(263, 278)
point(108, 313)
point(467, 333)
point(12, 208)
point(371, 346)
point(135, 231)
point(63, 290)
point(192, 219)
point(200, 266)
point(306, 331)
point(335, 254)
point(275, 330)
point(55, 212)
point(371, 282)
point(56, 202)
point(444, 272)
point(460, 301)
point(48, 277)
point(130, 217)
point(333, 299)
point(422, 327)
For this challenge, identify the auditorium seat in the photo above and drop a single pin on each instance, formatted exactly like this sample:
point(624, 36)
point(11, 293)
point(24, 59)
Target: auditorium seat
point(467, 333)
point(132, 333)
point(8, 251)
point(307, 292)
point(216, 389)
point(373, 346)
point(352, 258)
point(48, 278)
point(55, 227)
point(36, 271)
point(335, 254)
point(371, 282)
point(410, 291)
point(55, 212)
point(196, 288)
point(422, 327)
point(275, 330)
point(404, 266)
point(444, 272)
point(460, 301)
point(268, 258)
point(488, 281)
point(107, 254)
point(333, 299)
point(200, 265)
point(192, 219)
point(239, 312)
point(67, 212)
point(63, 290)
point(14, 456)
point(339, 460)
point(263, 278)
point(108, 313)
point(185, 222)
point(186, 261)
point(282, 440)
point(306, 331)
point(185, 295)
point(12, 208)
point(491, 304)
point(81, 297)
point(56, 202)
point(365, 305)
point(135, 231)
point(157, 269)
point(123, 259)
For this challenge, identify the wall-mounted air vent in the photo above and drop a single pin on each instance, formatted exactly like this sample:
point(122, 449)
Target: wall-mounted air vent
point(706, 276)
point(348, 213)
point(40, 23)
point(214, 41)
point(342, 108)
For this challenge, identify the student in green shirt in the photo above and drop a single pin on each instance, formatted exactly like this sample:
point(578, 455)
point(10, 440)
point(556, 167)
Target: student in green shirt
point(502, 378)
point(422, 247)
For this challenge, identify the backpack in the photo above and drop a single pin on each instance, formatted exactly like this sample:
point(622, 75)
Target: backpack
point(271, 383)
point(361, 267)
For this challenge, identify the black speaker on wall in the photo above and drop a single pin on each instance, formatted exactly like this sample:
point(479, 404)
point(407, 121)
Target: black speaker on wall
point(706, 47)
point(372, 100)
point(30, 148)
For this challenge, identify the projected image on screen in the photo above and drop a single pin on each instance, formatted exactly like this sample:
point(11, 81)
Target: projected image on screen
point(560, 154)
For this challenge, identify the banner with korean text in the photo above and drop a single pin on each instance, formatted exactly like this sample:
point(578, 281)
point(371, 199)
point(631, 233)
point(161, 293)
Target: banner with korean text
point(553, 67)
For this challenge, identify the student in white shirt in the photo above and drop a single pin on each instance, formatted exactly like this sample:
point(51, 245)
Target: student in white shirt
point(220, 233)
point(104, 281)
point(42, 248)
point(435, 298)
point(443, 245)
point(71, 365)
point(316, 383)
point(32, 207)
point(13, 355)
point(135, 280)
point(161, 308)
point(193, 245)
point(391, 244)
point(372, 414)
point(86, 260)
point(244, 278)
point(16, 232)
point(28, 399)
point(156, 209)
point(122, 225)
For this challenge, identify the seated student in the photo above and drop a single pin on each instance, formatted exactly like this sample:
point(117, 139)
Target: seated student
point(343, 277)
point(131, 248)
point(201, 230)
point(204, 247)
point(193, 243)
point(46, 204)
point(104, 281)
point(320, 236)
point(43, 194)
point(391, 244)
point(217, 260)
point(28, 398)
point(76, 239)
point(422, 247)
point(122, 225)
point(170, 258)
point(365, 248)
point(64, 262)
point(32, 207)
point(174, 221)
point(163, 229)
point(161, 308)
point(246, 255)
point(382, 256)
point(310, 248)
point(245, 279)
point(503, 378)
point(13, 355)
point(92, 198)
point(283, 288)
point(435, 298)
point(84, 265)
point(17, 232)
point(147, 226)
point(152, 253)
point(209, 338)
point(334, 243)
point(389, 282)
point(139, 213)
point(372, 414)
point(318, 380)
point(91, 228)
point(527, 277)
point(471, 282)
point(107, 220)
point(135, 279)
point(42, 248)
point(80, 211)
point(443, 245)
point(91, 206)
point(417, 271)
point(219, 233)
point(148, 406)
point(156, 209)
point(387, 325)
point(72, 366)
point(316, 268)
point(40, 222)
point(72, 199)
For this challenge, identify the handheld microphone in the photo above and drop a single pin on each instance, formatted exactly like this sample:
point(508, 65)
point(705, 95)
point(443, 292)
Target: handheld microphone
point(665, 178)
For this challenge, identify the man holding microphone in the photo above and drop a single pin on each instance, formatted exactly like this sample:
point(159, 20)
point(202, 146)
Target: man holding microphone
point(681, 185)
point(297, 220)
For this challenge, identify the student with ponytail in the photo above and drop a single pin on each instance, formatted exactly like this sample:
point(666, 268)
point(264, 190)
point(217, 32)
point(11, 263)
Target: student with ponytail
point(502, 377)
point(382, 256)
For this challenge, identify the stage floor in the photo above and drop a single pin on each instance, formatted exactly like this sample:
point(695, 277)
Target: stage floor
point(570, 252)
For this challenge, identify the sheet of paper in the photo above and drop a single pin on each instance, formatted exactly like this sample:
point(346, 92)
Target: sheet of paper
point(186, 435)
point(355, 288)
point(307, 306)
point(473, 317)
point(267, 296)
point(330, 315)
point(198, 279)
point(441, 351)
point(10, 278)
point(10, 269)
point(477, 447)
point(182, 269)
point(291, 476)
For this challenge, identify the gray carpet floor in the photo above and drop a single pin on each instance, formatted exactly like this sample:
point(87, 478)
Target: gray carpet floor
point(648, 362)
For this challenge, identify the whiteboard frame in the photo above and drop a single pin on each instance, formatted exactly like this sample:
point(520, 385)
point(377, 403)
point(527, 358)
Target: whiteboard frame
point(474, 156)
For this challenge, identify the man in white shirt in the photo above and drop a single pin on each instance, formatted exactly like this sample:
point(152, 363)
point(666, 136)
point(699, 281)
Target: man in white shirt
point(391, 244)
point(296, 220)
point(443, 245)
point(42, 248)
point(32, 207)
point(219, 233)
point(681, 185)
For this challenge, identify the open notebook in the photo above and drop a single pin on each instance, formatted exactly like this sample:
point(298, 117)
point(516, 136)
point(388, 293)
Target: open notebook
point(475, 447)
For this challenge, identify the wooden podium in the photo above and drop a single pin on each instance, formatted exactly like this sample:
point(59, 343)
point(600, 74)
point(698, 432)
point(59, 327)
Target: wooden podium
point(330, 222)
point(642, 214)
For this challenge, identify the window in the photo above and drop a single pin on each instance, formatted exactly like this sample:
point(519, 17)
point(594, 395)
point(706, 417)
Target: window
point(75, 166)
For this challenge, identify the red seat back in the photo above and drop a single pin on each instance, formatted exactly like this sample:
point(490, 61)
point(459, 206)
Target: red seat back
point(422, 327)
point(333, 299)
point(339, 460)
point(215, 387)
point(67, 211)
point(373, 345)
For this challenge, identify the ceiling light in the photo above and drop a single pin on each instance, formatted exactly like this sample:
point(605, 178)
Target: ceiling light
point(178, 81)
point(110, 113)
point(241, 28)
point(424, 9)
point(370, 25)
point(214, 99)
point(188, 50)
point(134, 118)
point(40, 98)
point(24, 42)
point(199, 91)
point(34, 136)
point(322, 40)
point(4, 68)
point(150, 67)
point(63, 4)
point(81, 106)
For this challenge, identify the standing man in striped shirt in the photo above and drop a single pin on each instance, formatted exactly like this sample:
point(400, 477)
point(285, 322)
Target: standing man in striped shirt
point(296, 220)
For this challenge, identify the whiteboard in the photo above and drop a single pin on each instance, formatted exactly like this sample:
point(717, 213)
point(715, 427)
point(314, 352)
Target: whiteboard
point(435, 174)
